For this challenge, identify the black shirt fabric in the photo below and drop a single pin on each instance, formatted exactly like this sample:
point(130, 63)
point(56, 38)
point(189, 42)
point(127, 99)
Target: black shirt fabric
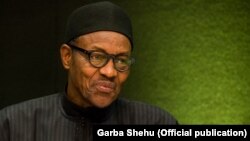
point(55, 118)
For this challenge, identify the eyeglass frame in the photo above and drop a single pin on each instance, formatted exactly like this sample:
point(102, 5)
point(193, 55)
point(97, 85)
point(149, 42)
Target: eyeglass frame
point(109, 56)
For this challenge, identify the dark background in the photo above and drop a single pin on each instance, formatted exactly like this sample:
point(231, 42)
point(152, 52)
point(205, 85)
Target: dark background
point(31, 34)
point(192, 57)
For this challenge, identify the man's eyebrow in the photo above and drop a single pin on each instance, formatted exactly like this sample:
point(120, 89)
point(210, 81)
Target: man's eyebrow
point(96, 48)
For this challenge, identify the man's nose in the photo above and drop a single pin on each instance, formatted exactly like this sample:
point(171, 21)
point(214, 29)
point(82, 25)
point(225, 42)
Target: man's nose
point(109, 70)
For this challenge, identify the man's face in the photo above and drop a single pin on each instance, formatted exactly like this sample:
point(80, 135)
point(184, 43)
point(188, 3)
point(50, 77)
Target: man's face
point(88, 85)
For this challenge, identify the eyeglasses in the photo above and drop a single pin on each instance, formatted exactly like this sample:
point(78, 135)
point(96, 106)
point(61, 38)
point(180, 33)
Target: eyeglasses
point(99, 59)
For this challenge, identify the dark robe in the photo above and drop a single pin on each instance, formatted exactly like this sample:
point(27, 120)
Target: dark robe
point(55, 118)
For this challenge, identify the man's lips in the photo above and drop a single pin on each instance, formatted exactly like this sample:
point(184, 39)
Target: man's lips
point(105, 86)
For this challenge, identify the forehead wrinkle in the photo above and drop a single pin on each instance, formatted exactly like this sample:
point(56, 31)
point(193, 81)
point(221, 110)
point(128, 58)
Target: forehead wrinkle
point(106, 40)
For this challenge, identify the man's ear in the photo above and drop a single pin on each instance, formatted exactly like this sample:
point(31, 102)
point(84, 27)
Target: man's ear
point(66, 56)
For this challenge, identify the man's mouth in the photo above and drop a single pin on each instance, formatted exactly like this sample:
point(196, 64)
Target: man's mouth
point(105, 86)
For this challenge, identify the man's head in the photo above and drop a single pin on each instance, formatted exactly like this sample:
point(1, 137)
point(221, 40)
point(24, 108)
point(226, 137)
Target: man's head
point(97, 53)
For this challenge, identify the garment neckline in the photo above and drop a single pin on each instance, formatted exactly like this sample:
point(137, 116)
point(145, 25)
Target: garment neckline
point(93, 114)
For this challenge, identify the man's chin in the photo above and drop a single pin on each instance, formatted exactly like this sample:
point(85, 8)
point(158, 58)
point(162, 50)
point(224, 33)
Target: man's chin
point(102, 102)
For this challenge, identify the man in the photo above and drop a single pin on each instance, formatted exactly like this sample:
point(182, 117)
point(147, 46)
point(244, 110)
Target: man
point(97, 57)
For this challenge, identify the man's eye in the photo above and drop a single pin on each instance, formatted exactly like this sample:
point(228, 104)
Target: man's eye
point(98, 56)
point(122, 60)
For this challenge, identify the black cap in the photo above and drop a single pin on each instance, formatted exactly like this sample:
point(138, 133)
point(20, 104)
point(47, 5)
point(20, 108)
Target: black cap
point(99, 16)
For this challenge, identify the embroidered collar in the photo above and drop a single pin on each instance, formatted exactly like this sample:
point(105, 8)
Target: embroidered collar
point(92, 113)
